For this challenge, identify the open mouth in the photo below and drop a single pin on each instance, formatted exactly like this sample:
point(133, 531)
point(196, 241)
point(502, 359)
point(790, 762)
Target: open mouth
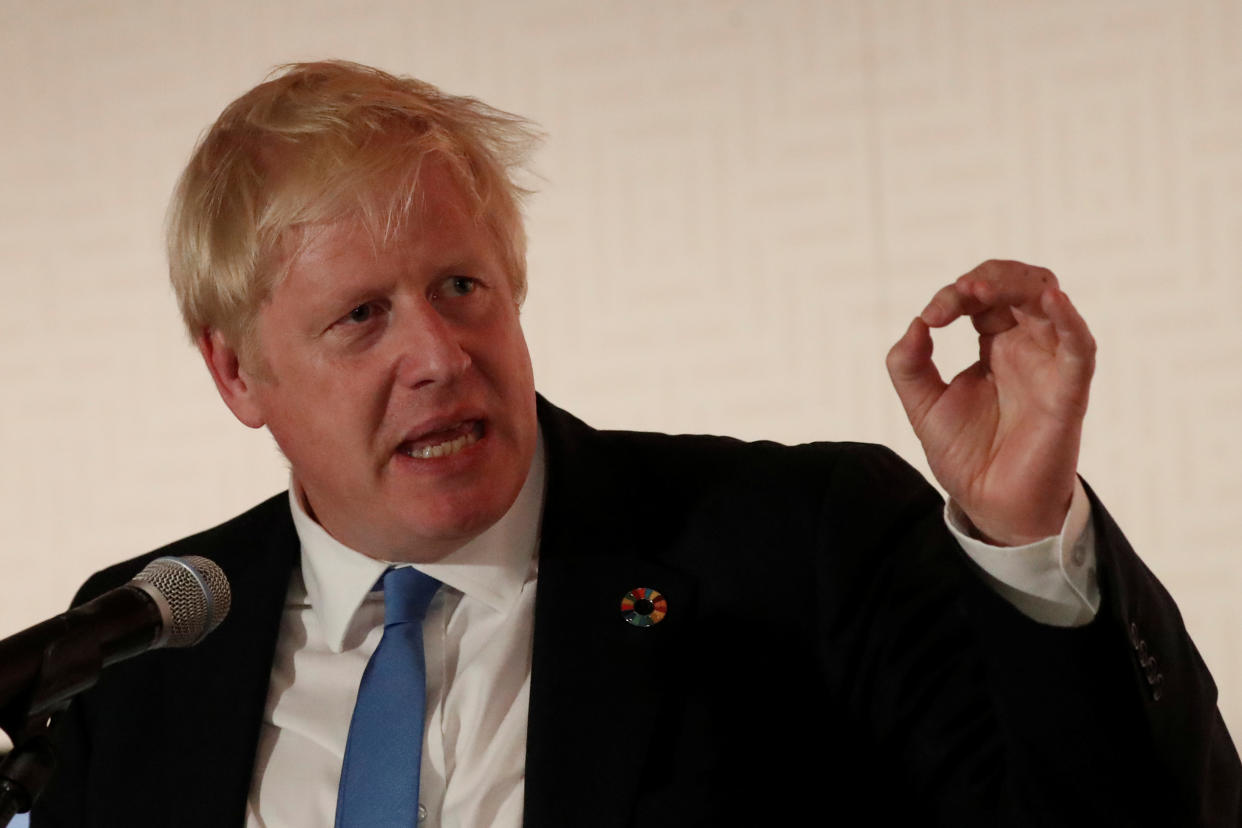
point(443, 442)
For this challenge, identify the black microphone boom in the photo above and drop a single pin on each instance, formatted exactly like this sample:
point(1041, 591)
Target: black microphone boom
point(173, 602)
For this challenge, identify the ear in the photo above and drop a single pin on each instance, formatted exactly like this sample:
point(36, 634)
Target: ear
point(237, 386)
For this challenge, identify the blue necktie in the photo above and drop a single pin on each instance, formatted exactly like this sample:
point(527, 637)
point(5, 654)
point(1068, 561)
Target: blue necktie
point(383, 755)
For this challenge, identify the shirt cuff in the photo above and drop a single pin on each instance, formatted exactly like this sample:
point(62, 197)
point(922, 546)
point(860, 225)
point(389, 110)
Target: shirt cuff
point(1053, 580)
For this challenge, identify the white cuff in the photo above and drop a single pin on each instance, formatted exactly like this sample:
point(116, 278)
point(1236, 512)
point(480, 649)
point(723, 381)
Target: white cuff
point(1053, 580)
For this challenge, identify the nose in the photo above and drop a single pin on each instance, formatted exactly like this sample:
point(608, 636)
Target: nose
point(430, 350)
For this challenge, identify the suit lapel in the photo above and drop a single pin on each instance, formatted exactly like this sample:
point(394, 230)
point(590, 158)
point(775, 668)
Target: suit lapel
point(597, 681)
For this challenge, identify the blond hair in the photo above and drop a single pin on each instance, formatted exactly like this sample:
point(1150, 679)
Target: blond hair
point(317, 142)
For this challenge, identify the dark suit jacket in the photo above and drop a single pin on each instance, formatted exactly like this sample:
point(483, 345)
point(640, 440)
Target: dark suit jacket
point(827, 649)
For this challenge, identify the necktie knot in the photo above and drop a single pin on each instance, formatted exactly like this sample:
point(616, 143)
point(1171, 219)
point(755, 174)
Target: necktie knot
point(407, 594)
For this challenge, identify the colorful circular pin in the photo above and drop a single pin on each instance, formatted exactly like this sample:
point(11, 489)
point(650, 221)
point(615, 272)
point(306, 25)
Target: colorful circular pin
point(643, 606)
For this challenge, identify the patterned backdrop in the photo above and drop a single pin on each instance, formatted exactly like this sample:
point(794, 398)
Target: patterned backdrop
point(741, 205)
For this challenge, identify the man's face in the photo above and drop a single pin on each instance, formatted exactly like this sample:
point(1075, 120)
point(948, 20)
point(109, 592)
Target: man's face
point(397, 381)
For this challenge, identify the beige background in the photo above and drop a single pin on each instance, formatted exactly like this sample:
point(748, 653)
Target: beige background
point(742, 204)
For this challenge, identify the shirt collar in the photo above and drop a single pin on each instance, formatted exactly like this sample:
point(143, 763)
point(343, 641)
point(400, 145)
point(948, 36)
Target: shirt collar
point(490, 568)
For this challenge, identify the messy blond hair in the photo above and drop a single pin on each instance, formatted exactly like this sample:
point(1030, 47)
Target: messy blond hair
point(317, 142)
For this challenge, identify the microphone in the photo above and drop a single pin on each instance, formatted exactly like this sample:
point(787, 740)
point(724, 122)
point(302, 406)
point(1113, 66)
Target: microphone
point(172, 602)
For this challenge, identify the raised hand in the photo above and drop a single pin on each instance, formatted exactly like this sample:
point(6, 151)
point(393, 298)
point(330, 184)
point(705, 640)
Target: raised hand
point(1002, 438)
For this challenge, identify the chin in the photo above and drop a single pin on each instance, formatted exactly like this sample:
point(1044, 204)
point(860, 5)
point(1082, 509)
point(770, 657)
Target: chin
point(467, 524)
point(446, 530)
point(444, 517)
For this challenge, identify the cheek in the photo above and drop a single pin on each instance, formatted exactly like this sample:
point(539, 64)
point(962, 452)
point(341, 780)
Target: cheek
point(355, 408)
point(344, 404)
point(519, 362)
point(514, 355)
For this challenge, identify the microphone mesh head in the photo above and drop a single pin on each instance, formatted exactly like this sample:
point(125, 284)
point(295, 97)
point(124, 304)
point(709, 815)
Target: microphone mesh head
point(196, 592)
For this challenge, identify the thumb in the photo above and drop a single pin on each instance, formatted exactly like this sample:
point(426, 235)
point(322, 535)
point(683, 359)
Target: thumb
point(913, 373)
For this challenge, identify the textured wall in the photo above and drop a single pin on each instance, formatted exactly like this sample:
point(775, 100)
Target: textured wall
point(742, 205)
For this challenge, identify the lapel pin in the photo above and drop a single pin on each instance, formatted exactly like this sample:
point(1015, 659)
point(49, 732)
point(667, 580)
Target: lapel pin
point(643, 607)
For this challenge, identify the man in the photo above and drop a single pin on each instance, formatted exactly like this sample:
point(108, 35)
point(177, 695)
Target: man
point(632, 627)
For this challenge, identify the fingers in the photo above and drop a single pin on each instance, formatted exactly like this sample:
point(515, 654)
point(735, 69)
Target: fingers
point(1038, 328)
point(948, 304)
point(987, 294)
point(1076, 354)
point(913, 373)
point(995, 320)
point(1000, 295)
point(999, 282)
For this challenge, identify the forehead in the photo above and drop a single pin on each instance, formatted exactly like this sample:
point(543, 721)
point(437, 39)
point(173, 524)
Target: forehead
point(438, 223)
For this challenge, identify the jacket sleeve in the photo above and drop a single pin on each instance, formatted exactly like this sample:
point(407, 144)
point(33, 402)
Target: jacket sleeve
point(989, 718)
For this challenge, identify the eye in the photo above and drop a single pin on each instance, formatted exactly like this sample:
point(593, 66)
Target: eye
point(362, 314)
point(457, 286)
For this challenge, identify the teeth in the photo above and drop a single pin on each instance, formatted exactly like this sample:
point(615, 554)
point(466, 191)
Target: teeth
point(446, 448)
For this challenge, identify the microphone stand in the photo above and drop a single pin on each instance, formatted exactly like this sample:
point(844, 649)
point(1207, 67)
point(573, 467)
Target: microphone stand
point(69, 665)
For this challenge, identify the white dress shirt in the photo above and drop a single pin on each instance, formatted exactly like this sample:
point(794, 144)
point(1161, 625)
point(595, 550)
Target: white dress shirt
point(477, 643)
point(477, 638)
